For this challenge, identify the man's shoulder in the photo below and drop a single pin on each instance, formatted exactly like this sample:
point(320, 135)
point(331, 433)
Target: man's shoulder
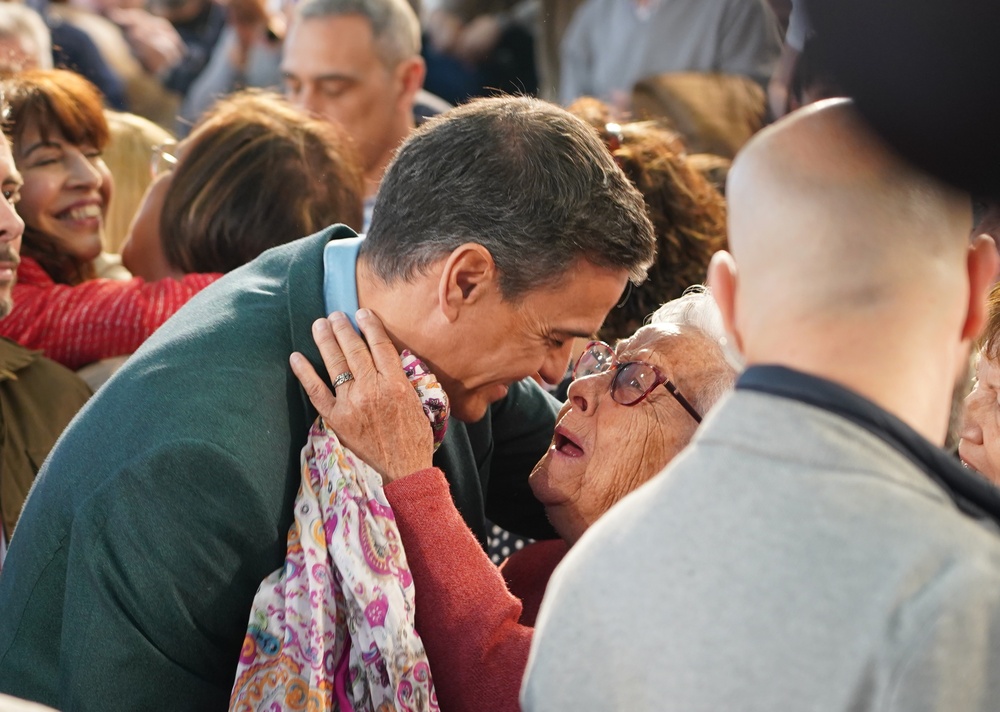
point(30, 372)
point(777, 457)
point(283, 285)
point(772, 429)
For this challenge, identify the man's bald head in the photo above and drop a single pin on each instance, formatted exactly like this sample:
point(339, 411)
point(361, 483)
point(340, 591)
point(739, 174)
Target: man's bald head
point(824, 218)
point(849, 264)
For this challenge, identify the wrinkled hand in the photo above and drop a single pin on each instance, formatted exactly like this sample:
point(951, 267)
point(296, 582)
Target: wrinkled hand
point(154, 41)
point(378, 414)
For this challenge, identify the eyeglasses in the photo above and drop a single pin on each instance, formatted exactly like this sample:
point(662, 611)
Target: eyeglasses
point(633, 380)
point(163, 159)
point(614, 137)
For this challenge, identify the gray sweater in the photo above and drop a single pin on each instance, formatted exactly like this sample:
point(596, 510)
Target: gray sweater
point(788, 560)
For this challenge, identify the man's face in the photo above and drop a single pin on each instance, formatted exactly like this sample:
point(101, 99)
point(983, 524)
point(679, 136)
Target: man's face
point(331, 69)
point(142, 252)
point(496, 343)
point(11, 226)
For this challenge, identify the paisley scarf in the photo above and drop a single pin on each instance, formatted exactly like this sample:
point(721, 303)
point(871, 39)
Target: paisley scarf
point(333, 629)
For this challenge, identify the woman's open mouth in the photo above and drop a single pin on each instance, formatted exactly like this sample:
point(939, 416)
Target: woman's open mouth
point(88, 215)
point(565, 444)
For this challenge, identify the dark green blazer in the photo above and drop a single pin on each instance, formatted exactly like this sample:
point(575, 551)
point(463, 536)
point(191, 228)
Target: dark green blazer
point(130, 576)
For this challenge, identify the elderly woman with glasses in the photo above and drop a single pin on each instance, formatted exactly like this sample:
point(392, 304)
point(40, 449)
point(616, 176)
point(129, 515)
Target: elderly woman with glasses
point(631, 408)
point(979, 446)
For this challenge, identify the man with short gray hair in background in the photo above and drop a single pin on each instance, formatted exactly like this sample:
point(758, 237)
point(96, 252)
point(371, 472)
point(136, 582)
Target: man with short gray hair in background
point(357, 63)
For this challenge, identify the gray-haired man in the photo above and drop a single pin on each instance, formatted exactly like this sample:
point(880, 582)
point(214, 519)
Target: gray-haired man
point(504, 230)
point(357, 63)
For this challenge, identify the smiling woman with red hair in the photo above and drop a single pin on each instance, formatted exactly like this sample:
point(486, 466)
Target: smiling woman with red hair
point(57, 129)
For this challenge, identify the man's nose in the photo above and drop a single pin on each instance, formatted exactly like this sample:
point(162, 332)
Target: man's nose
point(11, 224)
point(553, 369)
point(307, 99)
point(971, 430)
point(84, 172)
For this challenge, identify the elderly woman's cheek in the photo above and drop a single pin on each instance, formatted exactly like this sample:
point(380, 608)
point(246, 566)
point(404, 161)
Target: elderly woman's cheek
point(642, 451)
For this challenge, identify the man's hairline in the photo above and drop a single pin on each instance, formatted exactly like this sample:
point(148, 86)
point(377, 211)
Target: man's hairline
point(374, 37)
point(549, 285)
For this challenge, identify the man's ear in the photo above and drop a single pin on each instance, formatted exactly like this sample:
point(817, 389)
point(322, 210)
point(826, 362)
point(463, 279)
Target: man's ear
point(722, 277)
point(410, 73)
point(468, 276)
point(982, 264)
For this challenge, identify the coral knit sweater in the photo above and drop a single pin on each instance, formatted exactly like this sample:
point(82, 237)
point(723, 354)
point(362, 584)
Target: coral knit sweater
point(475, 620)
point(99, 318)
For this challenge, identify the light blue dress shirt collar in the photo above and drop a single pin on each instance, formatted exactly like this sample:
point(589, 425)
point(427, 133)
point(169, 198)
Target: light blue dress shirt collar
point(340, 283)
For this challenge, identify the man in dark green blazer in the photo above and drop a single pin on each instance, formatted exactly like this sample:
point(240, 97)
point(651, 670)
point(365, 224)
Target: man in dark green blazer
point(502, 231)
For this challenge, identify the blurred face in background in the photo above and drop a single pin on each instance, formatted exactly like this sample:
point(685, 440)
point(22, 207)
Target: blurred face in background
point(142, 253)
point(332, 70)
point(11, 226)
point(17, 54)
point(67, 188)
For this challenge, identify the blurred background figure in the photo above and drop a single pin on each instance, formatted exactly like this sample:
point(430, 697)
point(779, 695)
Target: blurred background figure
point(173, 38)
point(779, 88)
point(357, 63)
point(612, 44)
point(688, 213)
point(247, 55)
point(482, 47)
point(74, 49)
point(254, 173)
point(713, 113)
point(132, 144)
point(24, 39)
point(145, 93)
point(979, 446)
point(58, 132)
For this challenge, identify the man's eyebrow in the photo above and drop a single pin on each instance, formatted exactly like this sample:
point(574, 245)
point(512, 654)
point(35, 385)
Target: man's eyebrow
point(572, 333)
point(331, 77)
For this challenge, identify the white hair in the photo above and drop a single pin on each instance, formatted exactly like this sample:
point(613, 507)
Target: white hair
point(23, 23)
point(696, 309)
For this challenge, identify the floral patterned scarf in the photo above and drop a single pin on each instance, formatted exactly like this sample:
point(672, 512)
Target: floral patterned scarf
point(333, 629)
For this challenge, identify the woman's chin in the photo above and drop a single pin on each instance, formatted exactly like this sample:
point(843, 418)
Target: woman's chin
point(89, 249)
point(970, 462)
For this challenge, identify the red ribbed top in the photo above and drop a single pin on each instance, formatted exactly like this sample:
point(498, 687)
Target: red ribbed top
point(100, 318)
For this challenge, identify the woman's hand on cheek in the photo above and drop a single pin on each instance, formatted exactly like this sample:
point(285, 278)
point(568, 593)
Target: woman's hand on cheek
point(377, 414)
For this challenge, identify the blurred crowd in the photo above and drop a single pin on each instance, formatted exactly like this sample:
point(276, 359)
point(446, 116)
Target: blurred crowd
point(483, 354)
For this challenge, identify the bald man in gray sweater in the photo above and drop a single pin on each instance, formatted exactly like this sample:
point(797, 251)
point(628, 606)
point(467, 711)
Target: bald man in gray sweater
point(814, 548)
